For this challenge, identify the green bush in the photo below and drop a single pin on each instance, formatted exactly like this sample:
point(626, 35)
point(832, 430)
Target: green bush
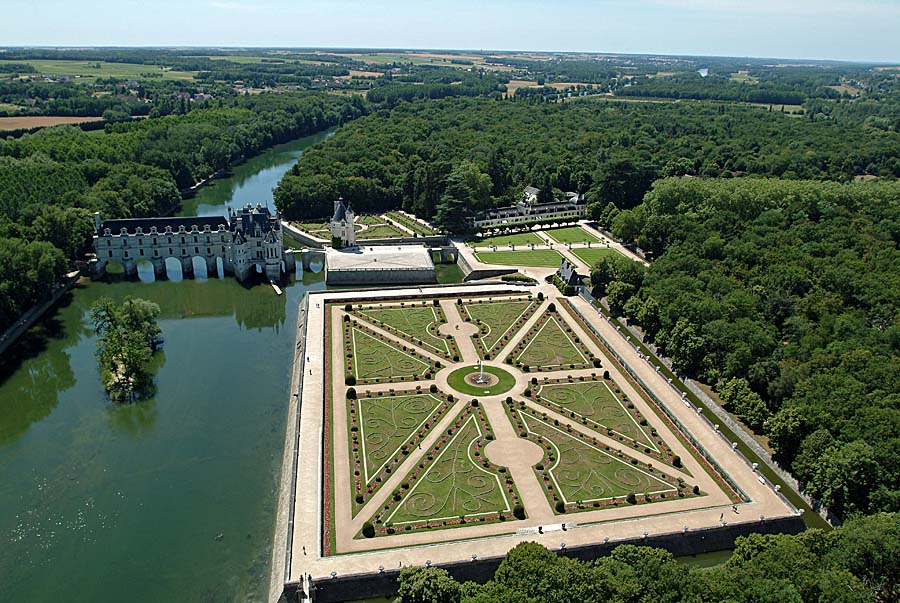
point(560, 506)
point(631, 499)
point(519, 512)
point(368, 530)
point(351, 394)
point(350, 380)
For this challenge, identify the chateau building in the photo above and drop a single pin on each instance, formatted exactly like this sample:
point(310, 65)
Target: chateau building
point(248, 241)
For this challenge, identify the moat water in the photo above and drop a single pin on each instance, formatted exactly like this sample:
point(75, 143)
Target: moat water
point(172, 498)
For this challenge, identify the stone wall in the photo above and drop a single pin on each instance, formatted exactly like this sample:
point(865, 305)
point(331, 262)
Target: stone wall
point(388, 276)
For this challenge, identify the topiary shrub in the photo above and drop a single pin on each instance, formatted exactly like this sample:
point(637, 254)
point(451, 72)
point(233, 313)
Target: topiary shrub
point(606, 375)
point(475, 402)
point(359, 500)
point(368, 530)
point(631, 499)
point(433, 388)
point(696, 489)
point(435, 302)
point(540, 296)
point(351, 394)
point(519, 512)
point(551, 307)
point(347, 307)
point(350, 380)
point(597, 363)
point(560, 506)
point(676, 461)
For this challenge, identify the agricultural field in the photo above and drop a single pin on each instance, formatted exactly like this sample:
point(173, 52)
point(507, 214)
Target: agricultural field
point(91, 70)
point(571, 234)
point(39, 121)
point(540, 258)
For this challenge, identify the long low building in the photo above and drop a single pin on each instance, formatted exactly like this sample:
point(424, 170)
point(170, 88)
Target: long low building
point(381, 265)
point(573, 207)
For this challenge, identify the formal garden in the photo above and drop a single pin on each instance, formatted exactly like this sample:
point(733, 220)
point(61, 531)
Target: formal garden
point(418, 323)
point(551, 344)
point(373, 358)
point(453, 485)
point(497, 321)
point(579, 472)
point(425, 381)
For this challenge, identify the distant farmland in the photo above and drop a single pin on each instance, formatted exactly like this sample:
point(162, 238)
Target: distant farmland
point(90, 70)
point(40, 121)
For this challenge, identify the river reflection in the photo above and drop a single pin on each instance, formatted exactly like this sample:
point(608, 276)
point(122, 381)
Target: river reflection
point(168, 499)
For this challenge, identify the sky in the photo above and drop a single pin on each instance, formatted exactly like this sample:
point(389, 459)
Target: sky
point(859, 30)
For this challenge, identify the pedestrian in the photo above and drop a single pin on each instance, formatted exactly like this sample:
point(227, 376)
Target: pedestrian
point(734, 508)
point(304, 550)
point(722, 516)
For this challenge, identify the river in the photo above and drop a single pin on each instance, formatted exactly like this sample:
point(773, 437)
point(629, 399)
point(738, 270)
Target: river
point(172, 498)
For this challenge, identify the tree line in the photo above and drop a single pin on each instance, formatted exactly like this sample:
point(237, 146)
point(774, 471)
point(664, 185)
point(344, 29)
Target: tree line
point(857, 563)
point(612, 152)
point(783, 295)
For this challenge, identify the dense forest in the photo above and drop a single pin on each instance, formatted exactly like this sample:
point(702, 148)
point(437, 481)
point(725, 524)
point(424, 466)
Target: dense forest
point(857, 563)
point(52, 181)
point(611, 151)
point(784, 295)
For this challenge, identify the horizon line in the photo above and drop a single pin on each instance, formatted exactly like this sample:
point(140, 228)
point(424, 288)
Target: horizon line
point(338, 49)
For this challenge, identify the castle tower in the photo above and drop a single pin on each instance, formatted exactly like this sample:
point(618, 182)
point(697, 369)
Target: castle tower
point(343, 234)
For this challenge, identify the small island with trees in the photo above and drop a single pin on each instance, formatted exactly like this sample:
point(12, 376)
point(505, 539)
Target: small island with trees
point(127, 338)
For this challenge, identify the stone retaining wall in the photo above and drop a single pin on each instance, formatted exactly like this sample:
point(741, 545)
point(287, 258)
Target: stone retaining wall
point(693, 542)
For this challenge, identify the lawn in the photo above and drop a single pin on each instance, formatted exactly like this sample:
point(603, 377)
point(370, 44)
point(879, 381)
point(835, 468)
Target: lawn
point(371, 359)
point(457, 380)
point(596, 402)
point(386, 424)
point(548, 347)
point(496, 321)
point(522, 239)
point(414, 225)
point(417, 324)
point(582, 471)
point(592, 256)
point(454, 484)
point(572, 234)
point(381, 231)
point(539, 258)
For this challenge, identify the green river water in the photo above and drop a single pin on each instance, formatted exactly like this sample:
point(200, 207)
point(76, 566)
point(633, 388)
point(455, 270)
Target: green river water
point(169, 499)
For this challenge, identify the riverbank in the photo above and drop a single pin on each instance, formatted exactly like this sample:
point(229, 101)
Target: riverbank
point(182, 486)
point(28, 320)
